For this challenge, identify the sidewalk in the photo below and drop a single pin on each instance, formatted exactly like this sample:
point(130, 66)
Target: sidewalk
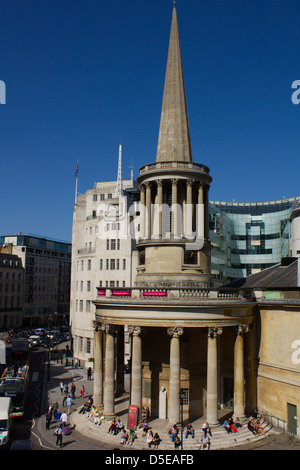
point(51, 393)
point(86, 435)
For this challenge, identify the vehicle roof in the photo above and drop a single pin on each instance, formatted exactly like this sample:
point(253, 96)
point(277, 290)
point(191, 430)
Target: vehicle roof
point(4, 406)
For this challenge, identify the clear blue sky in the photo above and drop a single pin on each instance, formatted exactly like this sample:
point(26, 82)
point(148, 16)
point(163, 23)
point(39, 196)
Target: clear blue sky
point(83, 76)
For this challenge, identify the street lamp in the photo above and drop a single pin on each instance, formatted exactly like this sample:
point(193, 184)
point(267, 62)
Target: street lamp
point(181, 398)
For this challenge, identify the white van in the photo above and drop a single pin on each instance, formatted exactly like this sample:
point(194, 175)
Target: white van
point(5, 419)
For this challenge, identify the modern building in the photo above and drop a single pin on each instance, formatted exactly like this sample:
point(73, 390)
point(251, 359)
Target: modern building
point(47, 271)
point(249, 237)
point(11, 291)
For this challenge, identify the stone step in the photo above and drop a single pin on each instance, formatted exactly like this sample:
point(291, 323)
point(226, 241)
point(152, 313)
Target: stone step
point(219, 440)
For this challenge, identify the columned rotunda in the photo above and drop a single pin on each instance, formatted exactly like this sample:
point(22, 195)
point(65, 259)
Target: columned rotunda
point(185, 335)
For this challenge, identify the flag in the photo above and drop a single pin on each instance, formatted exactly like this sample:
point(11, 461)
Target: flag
point(76, 171)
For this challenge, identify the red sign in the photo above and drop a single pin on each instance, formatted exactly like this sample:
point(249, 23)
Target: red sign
point(126, 293)
point(101, 292)
point(160, 293)
point(132, 417)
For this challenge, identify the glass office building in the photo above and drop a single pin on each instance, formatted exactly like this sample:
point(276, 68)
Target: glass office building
point(248, 237)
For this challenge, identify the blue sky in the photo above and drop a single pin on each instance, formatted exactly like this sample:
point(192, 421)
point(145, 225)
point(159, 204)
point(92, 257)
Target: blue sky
point(83, 76)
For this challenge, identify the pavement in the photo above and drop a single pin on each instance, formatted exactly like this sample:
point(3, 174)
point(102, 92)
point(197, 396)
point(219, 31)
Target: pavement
point(85, 435)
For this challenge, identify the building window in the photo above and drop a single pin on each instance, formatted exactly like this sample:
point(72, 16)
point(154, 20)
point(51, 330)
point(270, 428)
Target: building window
point(88, 345)
point(112, 264)
point(118, 244)
point(124, 263)
point(102, 196)
point(81, 306)
point(107, 264)
point(112, 284)
point(101, 264)
point(107, 244)
point(109, 196)
point(118, 264)
point(88, 286)
point(88, 306)
point(94, 197)
point(112, 244)
point(89, 264)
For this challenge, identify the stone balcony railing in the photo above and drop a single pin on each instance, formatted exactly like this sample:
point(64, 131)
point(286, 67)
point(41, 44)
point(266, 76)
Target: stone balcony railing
point(174, 165)
point(138, 293)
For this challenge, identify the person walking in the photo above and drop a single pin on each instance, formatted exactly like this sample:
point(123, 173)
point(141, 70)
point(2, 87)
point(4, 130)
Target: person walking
point(64, 419)
point(82, 391)
point(59, 435)
point(48, 419)
point(89, 373)
point(73, 390)
point(69, 402)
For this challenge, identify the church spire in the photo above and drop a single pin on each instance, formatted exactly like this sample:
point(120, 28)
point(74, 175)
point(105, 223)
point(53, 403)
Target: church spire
point(174, 135)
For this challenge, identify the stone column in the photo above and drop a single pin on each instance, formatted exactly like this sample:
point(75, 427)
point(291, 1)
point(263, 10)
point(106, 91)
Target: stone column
point(212, 376)
point(159, 207)
point(174, 230)
point(189, 209)
point(174, 401)
point(98, 366)
point(109, 384)
point(142, 211)
point(251, 403)
point(136, 367)
point(148, 210)
point(206, 212)
point(120, 388)
point(200, 212)
point(239, 377)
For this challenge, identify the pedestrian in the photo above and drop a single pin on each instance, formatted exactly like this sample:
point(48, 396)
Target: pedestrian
point(64, 399)
point(76, 363)
point(64, 419)
point(69, 403)
point(48, 419)
point(82, 391)
point(89, 373)
point(61, 386)
point(55, 408)
point(59, 435)
point(66, 388)
point(73, 390)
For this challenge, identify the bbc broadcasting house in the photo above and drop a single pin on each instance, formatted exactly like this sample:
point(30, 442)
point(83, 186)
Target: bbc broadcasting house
point(202, 296)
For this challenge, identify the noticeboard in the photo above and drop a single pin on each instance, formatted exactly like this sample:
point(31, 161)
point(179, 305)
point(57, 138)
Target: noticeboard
point(133, 417)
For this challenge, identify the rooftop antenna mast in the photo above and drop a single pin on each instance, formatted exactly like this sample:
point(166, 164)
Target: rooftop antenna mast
point(119, 186)
point(131, 172)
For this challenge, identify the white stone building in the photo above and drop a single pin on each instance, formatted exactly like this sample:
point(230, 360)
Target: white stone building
point(103, 256)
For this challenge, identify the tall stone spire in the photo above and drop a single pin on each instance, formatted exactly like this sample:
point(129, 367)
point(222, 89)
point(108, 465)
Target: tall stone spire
point(174, 136)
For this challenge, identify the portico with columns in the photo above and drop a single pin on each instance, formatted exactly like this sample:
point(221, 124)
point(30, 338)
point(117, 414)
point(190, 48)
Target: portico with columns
point(185, 334)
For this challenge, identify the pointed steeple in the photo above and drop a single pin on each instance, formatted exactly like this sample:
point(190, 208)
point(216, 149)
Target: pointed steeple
point(174, 136)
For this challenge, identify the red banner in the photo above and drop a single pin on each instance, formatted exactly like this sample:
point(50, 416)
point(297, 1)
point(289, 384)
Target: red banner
point(126, 293)
point(101, 292)
point(161, 293)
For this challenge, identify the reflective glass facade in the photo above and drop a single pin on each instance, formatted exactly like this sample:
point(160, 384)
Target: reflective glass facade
point(248, 237)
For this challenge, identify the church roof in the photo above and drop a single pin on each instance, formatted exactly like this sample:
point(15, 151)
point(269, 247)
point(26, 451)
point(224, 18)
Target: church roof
point(281, 276)
point(174, 135)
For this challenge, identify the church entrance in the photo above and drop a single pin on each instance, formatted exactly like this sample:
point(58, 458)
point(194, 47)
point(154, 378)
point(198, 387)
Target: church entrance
point(228, 393)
